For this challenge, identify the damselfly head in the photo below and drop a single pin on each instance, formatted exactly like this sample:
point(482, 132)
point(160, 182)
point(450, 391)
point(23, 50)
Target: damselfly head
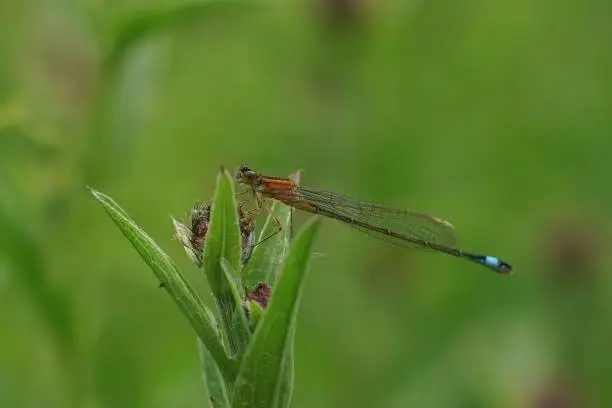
point(246, 175)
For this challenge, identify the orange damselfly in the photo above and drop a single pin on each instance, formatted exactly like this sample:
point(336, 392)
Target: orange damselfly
point(399, 227)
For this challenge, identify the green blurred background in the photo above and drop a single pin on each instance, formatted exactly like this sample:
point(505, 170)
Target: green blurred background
point(494, 115)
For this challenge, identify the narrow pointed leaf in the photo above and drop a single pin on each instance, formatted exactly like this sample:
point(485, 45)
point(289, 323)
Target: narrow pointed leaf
point(261, 374)
point(239, 332)
point(199, 316)
point(223, 241)
point(213, 380)
point(285, 388)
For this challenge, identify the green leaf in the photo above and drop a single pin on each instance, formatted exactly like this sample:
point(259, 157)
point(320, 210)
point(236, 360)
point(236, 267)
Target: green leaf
point(223, 238)
point(239, 332)
point(256, 312)
point(267, 257)
point(285, 387)
point(213, 380)
point(223, 241)
point(259, 380)
point(199, 316)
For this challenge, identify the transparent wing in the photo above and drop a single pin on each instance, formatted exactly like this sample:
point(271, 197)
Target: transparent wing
point(401, 221)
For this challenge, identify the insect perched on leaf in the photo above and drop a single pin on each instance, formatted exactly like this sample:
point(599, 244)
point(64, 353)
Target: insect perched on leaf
point(399, 227)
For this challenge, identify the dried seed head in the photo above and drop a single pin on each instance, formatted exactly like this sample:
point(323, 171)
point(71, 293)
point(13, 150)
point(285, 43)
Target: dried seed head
point(200, 218)
point(261, 294)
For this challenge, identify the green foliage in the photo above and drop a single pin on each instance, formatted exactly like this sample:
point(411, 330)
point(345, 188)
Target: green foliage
point(216, 388)
point(259, 380)
point(190, 304)
point(223, 243)
point(492, 115)
point(265, 375)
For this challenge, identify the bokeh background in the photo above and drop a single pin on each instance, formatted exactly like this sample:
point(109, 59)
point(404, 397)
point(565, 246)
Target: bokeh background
point(494, 115)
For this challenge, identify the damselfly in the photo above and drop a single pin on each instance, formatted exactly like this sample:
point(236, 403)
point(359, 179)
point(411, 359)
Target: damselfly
point(396, 226)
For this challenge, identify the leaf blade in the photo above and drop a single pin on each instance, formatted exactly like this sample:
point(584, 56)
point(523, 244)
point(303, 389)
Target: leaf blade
point(261, 372)
point(237, 321)
point(223, 244)
point(198, 315)
point(214, 382)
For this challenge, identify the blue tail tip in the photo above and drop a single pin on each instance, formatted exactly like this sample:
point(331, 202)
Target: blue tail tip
point(497, 264)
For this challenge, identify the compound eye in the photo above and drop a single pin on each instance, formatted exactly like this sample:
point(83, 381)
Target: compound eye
point(247, 172)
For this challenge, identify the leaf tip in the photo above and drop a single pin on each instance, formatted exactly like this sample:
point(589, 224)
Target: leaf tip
point(314, 222)
point(97, 195)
